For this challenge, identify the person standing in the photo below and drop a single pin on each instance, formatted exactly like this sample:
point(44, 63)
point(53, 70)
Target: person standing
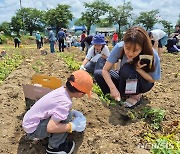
point(114, 39)
point(86, 42)
point(38, 40)
point(60, 37)
point(83, 36)
point(42, 41)
point(52, 39)
point(17, 42)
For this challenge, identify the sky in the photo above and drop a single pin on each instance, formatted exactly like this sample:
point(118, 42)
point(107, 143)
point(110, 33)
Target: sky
point(169, 9)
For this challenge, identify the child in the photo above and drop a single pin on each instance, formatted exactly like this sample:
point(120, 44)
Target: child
point(52, 117)
point(97, 55)
point(159, 38)
point(131, 80)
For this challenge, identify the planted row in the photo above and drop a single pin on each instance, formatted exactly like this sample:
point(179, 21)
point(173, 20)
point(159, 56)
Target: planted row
point(8, 64)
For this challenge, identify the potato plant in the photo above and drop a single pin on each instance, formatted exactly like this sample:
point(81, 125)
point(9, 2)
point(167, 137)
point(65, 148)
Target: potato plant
point(154, 115)
point(69, 60)
point(8, 64)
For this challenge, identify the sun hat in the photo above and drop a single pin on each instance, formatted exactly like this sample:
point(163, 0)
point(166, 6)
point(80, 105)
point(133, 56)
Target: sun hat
point(98, 39)
point(83, 82)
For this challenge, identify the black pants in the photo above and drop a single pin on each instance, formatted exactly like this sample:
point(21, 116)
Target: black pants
point(61, 45)
point(16, 43)
point(38, 44)
point(127, 71)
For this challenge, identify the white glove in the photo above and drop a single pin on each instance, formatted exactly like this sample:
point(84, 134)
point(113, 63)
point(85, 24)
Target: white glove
point(76, 113)
point(78, 124)
point(82, 67)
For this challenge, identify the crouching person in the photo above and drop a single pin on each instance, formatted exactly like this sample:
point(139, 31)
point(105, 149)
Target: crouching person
point(97, 55)
point(52, 117)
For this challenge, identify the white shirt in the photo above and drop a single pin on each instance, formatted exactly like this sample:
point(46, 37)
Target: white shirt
point(94, 57)
point(158, 34)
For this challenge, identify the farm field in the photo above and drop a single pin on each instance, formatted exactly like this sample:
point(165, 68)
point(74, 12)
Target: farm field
point(107, 131)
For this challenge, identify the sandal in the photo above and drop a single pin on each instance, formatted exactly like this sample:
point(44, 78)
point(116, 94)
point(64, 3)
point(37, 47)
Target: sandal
point(132, 101)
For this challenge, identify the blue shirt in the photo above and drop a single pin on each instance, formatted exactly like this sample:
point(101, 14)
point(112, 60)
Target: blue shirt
point(51, 36)
point(116, 53)
point(61, 35)
point(38, 37)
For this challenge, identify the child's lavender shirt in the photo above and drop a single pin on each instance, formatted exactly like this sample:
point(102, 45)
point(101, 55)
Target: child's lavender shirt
point(55, 104)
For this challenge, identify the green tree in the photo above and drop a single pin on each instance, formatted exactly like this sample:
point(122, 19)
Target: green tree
point(59, 17)
point(32, 19)
point(5, 27)
point(178, 22)
point(93, 13)
point(148, 19)
point(105, 23)
point(120, 15)
point(79, 22)
point(167, 26)
point(17, 24)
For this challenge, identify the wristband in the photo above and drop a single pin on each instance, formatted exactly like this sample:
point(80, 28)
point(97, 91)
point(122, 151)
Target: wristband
point(70, 124)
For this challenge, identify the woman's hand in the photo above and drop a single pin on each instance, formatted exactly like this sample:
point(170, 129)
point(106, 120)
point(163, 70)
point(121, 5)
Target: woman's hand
point(138, 65)
point(115, 94)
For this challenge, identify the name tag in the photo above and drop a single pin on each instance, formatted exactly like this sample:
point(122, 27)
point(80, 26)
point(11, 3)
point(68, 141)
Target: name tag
point(131, 86)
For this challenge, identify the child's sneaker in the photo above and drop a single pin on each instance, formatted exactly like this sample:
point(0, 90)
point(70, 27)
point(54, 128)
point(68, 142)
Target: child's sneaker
point(65, 148)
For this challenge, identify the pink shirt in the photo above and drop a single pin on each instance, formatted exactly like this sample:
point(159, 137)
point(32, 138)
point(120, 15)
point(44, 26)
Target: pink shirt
point(55, 104)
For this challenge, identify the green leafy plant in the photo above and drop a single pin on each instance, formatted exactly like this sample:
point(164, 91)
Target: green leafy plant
point(69, 60)
point(39, 62)
point(35, 68)
point(166, 145)
point(8, 64)
point(155, 116)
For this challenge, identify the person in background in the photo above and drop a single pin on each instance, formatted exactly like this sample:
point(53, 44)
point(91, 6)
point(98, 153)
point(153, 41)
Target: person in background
point(38, 40)
point(86, 42)
point(52, 39)
point(114, 39)
point(132, 79)
point(69, 40)
point(172, 45)
point(42, 41)
point(17, 42)
point(176, 32)
point(159, 39)
point(52, 117)
point(96, 56)
point(60, 37)
point(82, 37)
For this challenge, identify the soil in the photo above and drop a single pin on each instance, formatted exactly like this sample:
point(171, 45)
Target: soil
point(108, 131)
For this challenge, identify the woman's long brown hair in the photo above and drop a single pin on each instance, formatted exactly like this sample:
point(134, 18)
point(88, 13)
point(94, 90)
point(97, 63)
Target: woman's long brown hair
point(137, 35)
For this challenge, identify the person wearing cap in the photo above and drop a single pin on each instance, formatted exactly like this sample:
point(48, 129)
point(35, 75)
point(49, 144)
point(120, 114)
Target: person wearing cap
point(52, 117)
point(38, 40)
point(97, 55)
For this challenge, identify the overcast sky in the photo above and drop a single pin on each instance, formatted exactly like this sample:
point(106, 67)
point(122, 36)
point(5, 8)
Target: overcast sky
point(169, 9)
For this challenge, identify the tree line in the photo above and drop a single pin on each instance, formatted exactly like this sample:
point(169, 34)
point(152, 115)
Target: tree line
point(98, 13)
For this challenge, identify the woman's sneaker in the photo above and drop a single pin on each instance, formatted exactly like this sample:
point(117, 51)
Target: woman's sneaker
point(65, 148)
